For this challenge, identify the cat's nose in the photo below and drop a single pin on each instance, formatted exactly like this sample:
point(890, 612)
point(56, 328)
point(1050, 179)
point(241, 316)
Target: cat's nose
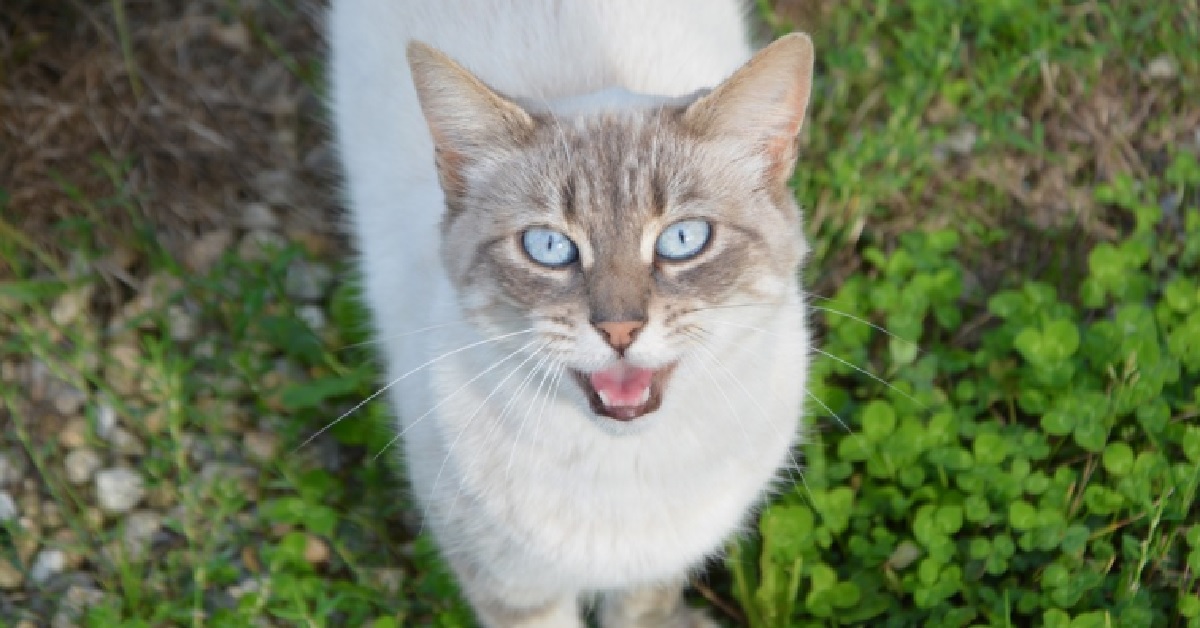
point(620, 334)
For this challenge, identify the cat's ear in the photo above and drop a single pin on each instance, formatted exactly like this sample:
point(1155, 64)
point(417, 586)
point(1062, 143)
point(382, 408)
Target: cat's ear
point(763, 103)
point(467, 119)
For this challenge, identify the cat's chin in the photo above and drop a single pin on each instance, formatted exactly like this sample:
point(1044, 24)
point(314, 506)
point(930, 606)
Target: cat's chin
point(629, 408)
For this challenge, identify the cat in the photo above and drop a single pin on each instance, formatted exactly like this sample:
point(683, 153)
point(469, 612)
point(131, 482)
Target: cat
point(580, 252)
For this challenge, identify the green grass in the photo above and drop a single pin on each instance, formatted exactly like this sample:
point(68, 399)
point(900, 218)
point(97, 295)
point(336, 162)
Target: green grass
point(1032, 456)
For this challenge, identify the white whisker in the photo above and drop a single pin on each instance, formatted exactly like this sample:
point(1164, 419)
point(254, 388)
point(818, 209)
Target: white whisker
point(471, 419)
point(499, 420)
point(382, 339)
point(830, 356)
point(864, 322)
point(399, 379)
point(450, 396)
point(766, 417)
point(549, 371)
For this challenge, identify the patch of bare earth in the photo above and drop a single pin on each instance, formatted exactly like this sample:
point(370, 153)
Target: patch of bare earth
point(191, 110)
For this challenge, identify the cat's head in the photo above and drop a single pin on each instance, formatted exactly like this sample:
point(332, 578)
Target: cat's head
point(614, 231)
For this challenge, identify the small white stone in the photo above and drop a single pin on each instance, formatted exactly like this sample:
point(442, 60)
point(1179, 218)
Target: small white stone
point(261, 446)
point(259, 216)
point(126, 443)
point(259, 244)
point(962, 141)
point(1162, 69)
point(8, 508)
point(106, 420)
point(119, 489)
point(313, 316)
point(81, 464)
point(47, 564)
point(181, 323)
point(140, 528)
point(307, 281)
point(10, 472)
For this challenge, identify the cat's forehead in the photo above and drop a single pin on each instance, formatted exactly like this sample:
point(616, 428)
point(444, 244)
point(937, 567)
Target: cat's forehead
point(618, 168)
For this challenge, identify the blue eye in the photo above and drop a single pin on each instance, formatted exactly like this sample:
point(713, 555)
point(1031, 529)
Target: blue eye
point(549, 248)
point(683, 240)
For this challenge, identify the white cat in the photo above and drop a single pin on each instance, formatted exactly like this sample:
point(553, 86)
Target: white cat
point(582, 270)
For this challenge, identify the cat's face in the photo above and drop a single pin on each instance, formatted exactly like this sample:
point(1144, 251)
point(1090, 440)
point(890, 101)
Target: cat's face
point(616, 234)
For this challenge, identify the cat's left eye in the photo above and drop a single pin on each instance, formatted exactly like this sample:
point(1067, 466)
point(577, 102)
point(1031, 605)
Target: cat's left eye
point(549, 248)
point(683, 240)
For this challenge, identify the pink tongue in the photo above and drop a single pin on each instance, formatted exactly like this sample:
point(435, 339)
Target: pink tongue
point(622, 385)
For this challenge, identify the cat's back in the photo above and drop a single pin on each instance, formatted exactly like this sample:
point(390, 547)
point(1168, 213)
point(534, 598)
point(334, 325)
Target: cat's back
point(546, 49)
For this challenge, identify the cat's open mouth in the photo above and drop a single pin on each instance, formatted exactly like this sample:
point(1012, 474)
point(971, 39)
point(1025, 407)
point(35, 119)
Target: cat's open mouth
point(624, 392)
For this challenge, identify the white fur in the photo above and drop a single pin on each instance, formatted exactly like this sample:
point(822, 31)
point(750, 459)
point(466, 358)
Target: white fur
point(553, 503)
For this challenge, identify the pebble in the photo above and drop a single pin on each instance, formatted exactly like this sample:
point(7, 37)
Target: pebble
point(10, 469)
point(234, 35)
point(313, 316)
point(106, 420)
point(8, 508)
point(10, 576)
point(49, 563)
point(316, 551)
point(80, 598)
point(81, 464)
point(69, 400)
point(262, 446)
point(74, 434)
point(259, 216)
point(119, 489)
point(962, 141)
point(126, 443)
point(140, 530)
point(249, 585)
point(206, 250)
point(307, 281)
point(182, 324)
point(259, 244)
point(275, 186)
point(1162, 69)
point(72, 304)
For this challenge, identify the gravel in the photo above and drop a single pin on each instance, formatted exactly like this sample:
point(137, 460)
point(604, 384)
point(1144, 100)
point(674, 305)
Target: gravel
point(8, 508)
point(119, 489)
point(81, 464)
point(49, 563)
point(308, 281)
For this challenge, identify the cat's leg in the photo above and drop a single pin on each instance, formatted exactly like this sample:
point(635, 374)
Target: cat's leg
point(651, 607)
point(563, 613)
point(503, 605)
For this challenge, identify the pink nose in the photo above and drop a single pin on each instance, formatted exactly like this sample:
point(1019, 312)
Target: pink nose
point(620, 334)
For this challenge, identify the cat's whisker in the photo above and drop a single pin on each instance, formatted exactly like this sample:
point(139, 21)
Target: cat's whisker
point(471, 419)
point(871, 375)
point(852, 317)
point(766, 417)
point(716, 384)
point(386, 387)
point(382, 339)
point(726, 306)
point(830, 356)
point(508, 406)
point(450, 396)
point(829, 410)
point(562, 369)
point(553, 369)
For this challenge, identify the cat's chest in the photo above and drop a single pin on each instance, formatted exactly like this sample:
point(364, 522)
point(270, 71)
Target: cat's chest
point(600, 514)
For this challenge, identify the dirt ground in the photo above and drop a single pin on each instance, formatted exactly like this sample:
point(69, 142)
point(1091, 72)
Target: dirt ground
point(188, 110)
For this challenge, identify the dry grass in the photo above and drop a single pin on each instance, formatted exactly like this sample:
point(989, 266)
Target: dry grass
point(208, 111)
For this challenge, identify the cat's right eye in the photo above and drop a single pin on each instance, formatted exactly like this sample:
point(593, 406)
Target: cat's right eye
point(549, 248)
